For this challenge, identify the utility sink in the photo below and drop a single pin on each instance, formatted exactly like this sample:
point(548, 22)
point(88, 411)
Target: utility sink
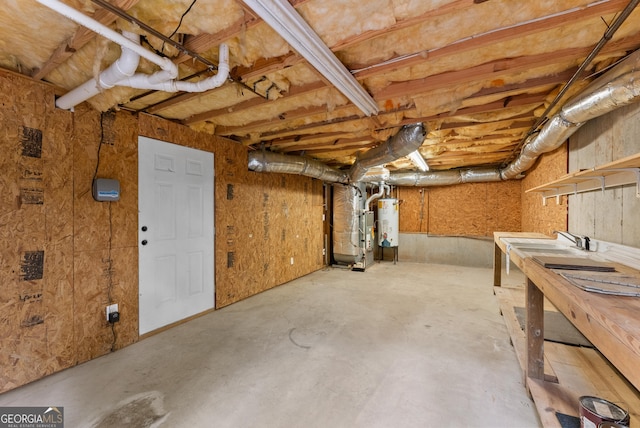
point(546, 249)
point(540, 246)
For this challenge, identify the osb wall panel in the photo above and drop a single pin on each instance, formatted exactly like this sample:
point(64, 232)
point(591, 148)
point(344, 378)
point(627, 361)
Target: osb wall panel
point(270, 219)
point(36, 230)
point(240, 244)
point(474, 209)
point(537, 217)
point(262, 220)
point(66, 256)
point(413, 213)
point(106, 257)
point(504, 210)
point(458, 210)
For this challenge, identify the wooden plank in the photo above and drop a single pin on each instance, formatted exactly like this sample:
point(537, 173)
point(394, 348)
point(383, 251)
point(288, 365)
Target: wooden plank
point(534, 323)
point(204, 41)
point(267, 123)
point(509, 299)
point(410, 111)
point(581, 372)
point(497, 265)
point(451, 7)
point(550, 398)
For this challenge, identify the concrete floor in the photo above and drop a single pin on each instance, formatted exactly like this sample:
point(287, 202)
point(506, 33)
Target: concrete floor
point(406, 345)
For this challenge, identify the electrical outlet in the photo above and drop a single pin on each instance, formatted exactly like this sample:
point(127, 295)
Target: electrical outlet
point(113, 315)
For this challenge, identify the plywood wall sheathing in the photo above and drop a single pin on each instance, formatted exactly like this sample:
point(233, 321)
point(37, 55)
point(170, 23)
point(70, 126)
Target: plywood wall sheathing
point(414, 209)
point(262, 220)
point(36, 258)
point(471, 209)
point(65, 256)
point(106, 244)
point(537, 217)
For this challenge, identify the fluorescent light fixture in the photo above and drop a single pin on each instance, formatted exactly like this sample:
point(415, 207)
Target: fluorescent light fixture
point(418, 160)
point(288, 23)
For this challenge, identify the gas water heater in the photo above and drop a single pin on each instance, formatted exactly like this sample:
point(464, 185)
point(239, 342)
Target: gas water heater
point(388, 222)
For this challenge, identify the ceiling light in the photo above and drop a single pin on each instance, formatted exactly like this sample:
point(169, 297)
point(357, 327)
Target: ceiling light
point(283, 18)
point(418, 160)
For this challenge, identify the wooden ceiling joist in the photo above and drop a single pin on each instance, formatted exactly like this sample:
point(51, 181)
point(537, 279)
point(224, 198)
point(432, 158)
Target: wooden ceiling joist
point(293, 91)
point(497, 36)
point(515, 101)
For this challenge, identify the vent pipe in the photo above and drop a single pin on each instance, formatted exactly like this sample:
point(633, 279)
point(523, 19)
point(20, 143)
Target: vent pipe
point(618, 87)
point(444, 178)
point(621, 91)
point(407, 140)
point(275, 162)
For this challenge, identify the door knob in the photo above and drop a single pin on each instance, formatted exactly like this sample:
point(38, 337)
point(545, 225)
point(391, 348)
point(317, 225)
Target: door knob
point(144, 242)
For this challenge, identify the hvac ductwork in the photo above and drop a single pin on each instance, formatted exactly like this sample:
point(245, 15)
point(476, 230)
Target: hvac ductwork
point(597, 100)
point(617, 88)
point(407, 140)
point(275, 162)
point(444, 178)
point(348, 205)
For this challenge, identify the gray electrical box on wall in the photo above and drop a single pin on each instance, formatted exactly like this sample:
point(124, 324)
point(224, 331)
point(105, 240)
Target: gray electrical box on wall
point(106, 190)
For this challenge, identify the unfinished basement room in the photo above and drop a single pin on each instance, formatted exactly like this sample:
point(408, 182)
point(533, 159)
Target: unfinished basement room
point(320, 213)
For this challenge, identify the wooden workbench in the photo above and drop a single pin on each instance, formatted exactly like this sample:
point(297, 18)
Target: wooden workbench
point(610, 323)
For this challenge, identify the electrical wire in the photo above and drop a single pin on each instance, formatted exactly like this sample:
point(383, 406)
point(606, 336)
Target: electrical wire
point(110, 277)
point(109, 271)
point(95, 173)
point(180, 23)
point(182, 17)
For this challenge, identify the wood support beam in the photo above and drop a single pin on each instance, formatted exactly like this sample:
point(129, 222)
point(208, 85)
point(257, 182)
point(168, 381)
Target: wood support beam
point(534, 321)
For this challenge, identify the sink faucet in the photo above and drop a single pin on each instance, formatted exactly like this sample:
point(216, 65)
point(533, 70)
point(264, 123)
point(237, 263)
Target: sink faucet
point(576, 239)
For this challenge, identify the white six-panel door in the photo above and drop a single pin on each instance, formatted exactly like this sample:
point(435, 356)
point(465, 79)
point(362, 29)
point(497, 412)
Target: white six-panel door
point(175, 233)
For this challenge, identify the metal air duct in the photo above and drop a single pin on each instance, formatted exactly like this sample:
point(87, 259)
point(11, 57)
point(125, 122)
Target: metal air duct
point(407, 140)
point(444, 178)
point(618, 87)
point(621, 91)
point(275, 162)
point(348, 204)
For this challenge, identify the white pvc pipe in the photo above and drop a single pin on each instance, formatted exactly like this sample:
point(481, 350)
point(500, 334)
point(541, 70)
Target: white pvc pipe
point(153, 82)
point(121, 72)
point(381, 188)
point(123, 67)
point(110, 34)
